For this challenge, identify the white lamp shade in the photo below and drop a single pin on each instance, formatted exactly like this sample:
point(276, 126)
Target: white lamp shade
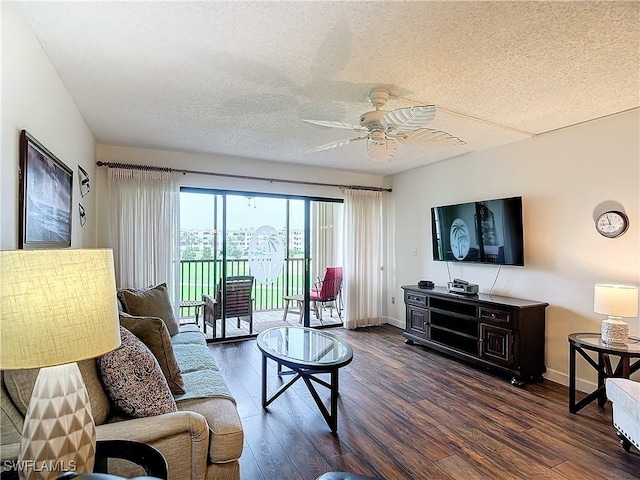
point(616, 300)
point(57, 306)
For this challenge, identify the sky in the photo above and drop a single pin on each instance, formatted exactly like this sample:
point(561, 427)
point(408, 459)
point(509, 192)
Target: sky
point(196, 211)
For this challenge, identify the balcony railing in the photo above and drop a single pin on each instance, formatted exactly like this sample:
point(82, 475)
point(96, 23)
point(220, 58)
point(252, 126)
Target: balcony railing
point(200, 277)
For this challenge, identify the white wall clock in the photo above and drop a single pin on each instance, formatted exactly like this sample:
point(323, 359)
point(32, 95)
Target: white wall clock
point(612, 224)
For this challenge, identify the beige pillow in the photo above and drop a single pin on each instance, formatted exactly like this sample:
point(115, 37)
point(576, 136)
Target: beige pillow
point(154, 334)
point(20, 383)
point(150, 302)
point(133, 379)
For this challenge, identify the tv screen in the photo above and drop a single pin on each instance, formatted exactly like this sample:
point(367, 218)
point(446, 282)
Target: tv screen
point(489, 231)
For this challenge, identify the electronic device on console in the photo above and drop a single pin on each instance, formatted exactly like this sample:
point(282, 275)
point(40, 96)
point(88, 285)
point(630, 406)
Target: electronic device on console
point(462, 286)
point(426, 284)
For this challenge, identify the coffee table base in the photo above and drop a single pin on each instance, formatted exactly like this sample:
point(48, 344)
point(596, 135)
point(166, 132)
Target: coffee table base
point(307, 374)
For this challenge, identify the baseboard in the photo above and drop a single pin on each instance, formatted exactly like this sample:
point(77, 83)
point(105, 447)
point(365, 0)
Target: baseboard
point(562, 378)
point(395, 322)
point(557, 377)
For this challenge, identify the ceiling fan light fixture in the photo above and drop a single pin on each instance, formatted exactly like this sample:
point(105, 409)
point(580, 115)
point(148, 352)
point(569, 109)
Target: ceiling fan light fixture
point(377, 135)
point(378, 97)
point(382, 128)
point(381, 151)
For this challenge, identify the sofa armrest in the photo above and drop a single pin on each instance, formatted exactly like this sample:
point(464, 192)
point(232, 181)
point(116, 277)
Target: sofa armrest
point(182, 437)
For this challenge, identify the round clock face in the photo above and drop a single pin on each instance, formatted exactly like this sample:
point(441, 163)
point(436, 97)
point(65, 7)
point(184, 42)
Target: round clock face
point(612, 224)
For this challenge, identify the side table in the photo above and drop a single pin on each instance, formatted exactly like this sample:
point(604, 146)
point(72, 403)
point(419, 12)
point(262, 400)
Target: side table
point(583, 342)
point(197, 304)
point(294, 298)
point(147, 457)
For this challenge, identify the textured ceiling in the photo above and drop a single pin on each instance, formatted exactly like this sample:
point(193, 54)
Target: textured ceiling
point(237, 78)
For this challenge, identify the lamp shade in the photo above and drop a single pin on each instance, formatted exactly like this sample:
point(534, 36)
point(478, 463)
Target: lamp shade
point(57, 306)
point(616, 300)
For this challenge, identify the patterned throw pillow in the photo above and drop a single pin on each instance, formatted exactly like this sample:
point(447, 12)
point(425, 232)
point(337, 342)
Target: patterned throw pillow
point(154, 334)
point(133, 379)
point(150, 302)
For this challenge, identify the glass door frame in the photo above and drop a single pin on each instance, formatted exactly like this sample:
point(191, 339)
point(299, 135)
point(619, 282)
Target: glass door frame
point(223, 193)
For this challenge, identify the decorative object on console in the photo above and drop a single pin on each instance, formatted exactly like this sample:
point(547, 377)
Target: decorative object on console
point(612, 224)
point(616, 301)
point(463, 287)
point(46, 188)
point(58, 307)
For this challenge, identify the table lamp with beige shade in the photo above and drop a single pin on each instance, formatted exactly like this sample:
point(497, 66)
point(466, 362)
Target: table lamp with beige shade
point(617, 302)
point(57, 307)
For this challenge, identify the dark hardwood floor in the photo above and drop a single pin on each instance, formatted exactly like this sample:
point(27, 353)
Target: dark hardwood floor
point(406, 412)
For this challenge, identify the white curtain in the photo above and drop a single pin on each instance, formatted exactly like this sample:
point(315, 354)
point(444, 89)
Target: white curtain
point(325, 246)
point(363, 258)
point(144, 210)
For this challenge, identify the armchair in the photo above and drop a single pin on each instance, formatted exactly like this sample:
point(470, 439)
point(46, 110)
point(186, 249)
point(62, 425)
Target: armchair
point(625, 396)
point(238, 302)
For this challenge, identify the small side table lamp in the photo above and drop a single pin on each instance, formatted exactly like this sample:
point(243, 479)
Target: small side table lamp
point(616, 301)
point(57, 307)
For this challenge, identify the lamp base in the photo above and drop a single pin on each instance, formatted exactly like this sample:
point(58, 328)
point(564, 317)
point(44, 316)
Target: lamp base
point(615, 330)
point(59, 433)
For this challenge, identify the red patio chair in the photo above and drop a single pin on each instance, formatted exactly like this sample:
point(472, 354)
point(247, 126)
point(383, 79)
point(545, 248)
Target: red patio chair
point(327, 292)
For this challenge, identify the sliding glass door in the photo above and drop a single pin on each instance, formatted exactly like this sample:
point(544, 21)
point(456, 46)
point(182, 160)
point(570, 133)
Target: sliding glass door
point(256, 259)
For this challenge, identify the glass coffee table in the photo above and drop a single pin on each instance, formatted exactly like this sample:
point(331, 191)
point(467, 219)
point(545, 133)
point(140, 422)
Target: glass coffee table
point(306, 353)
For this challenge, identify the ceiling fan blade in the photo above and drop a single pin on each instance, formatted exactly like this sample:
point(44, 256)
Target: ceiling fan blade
point(427, 136)
point(382, 150)
point(326, 123)
point(408, 117)
point(340, 143)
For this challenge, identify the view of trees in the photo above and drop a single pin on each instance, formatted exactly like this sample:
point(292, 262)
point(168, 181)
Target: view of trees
point(199, 245)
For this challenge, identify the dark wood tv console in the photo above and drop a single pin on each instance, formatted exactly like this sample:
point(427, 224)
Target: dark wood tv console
point(502, 334)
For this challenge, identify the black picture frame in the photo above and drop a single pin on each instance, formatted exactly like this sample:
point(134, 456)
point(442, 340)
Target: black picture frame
point(45, 197)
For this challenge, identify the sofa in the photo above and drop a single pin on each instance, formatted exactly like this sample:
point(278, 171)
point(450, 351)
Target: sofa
point(625, 397)
point(201, 439)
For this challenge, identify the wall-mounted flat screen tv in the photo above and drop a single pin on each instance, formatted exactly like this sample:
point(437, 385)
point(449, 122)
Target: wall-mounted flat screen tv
point(489, 231)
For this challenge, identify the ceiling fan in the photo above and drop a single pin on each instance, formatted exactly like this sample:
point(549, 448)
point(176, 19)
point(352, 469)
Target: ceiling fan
point(383, 129)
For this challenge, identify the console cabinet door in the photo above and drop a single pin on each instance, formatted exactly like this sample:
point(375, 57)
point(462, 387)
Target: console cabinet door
point(496, 344)
point(418, 321)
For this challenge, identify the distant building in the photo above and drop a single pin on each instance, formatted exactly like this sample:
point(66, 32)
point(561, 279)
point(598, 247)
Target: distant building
point(195, 240)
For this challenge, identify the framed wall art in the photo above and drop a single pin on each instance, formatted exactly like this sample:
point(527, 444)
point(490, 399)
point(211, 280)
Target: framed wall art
point(45, 197)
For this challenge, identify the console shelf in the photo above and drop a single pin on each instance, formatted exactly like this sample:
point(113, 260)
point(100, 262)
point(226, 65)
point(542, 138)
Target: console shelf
point(502, 334)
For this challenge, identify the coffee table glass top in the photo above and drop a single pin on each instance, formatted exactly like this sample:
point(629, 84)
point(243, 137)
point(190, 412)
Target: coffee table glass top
point(594, 341)
point(305, 346)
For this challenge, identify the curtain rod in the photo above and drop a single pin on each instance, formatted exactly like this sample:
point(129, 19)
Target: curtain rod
point(133, 166)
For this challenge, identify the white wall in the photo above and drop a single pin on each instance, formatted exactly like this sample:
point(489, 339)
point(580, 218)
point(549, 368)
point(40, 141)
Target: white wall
point(230, 166)
point(563, 177)
point(34, 99)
